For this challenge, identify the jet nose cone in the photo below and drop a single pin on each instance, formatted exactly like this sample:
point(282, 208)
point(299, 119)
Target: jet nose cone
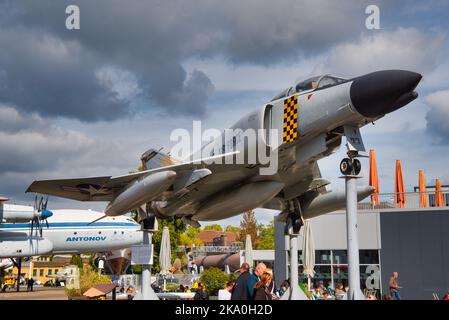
point(378, 93)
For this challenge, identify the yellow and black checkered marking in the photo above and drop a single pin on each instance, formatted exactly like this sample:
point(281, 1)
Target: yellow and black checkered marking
point(290, 131)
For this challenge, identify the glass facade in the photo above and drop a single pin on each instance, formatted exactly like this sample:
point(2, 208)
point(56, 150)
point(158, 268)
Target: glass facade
point(331, 267)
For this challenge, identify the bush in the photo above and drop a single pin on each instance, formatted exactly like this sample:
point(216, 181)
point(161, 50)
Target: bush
point(303, 287)
point(172, 287)
point(88, 278)
point(213, 279)
point(232, 277)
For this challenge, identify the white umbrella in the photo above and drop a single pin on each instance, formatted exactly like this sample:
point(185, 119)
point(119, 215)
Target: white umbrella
point(227, 270)
point(248, 251)
point(308, 252)
point(165, 252)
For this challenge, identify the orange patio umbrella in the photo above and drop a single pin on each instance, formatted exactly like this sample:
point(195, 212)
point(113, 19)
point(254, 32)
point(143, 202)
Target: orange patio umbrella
point(99, 290)
point(373, 178)
point(399, 189)
point(439, 201)
point(422, 190)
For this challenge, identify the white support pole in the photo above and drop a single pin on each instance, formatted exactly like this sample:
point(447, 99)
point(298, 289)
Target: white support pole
point(352, 239)
point(294, 279)
point(147, 291)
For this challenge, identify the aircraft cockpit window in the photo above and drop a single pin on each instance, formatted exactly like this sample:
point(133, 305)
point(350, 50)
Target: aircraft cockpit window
point(308, 84)
point(329, 81)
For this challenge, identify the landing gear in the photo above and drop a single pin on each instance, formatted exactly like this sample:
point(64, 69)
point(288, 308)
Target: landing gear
point(346, 166)
point(357, 166)
point(350, 166)
point(148, 221)
point(293, 223)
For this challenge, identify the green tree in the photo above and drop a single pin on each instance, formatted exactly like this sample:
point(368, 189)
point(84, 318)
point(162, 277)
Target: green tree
point(77, 261)
point(214, 226)
point(190, 237)
point(213, 279)
point(266, 236)
point(88, 278)
point(232, 229)
point(248, 225)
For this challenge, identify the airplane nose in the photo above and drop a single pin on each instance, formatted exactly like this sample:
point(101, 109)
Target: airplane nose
point(378, 93)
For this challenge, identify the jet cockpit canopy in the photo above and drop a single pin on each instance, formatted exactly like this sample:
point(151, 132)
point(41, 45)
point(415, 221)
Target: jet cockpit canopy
point(318, 82)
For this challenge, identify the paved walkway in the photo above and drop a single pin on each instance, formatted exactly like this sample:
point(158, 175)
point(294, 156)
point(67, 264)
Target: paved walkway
point(42, 293)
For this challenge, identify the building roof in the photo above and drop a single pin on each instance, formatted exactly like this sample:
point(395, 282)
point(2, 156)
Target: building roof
point(208, 236)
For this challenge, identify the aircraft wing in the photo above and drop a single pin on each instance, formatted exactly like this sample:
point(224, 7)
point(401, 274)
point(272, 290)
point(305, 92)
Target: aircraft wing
point(105, 188)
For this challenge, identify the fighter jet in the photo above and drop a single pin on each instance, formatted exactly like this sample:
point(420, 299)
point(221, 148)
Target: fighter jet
point(310, 117)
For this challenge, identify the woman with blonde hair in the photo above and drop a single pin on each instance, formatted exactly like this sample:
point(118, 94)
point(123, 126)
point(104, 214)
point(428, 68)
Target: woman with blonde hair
point(261, 288)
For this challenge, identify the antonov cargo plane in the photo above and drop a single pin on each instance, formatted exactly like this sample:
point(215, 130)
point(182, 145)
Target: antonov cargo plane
point(310, 119)
point(27, 231)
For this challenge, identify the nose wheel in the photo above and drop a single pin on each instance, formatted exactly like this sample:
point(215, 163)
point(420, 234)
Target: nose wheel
point(350, 166)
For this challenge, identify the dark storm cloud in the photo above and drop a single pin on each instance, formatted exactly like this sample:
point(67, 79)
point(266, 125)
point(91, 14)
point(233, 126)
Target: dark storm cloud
point(54, 71)
point(437, 117)
point(29, 143)
point(35, 148)
point(40, 72)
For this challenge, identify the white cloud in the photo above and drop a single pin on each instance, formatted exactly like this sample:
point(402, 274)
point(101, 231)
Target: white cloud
point(403, 48)
point(119, 81)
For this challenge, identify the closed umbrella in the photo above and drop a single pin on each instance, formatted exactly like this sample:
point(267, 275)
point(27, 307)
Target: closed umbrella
point(373, 179)
point(227, 270)
point(422, 190)
point(439, 200)
point(165, 254)
point(248, 251)
point(399, 189)
point(308, 252)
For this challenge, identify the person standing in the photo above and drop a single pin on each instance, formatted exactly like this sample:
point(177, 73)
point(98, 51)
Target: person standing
point(201, 293)
point(261, 288)
point(255, 277)
point(239, 290)
point(394, 286)
point(225, 294)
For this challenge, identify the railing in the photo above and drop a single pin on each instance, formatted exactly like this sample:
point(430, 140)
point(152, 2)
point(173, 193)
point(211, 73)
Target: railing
point(412, 201)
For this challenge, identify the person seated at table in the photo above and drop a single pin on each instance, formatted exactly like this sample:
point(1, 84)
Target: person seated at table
point(317, 294)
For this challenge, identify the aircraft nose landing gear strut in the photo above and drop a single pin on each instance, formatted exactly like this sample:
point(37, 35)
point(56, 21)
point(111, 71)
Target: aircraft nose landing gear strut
point(350, 168)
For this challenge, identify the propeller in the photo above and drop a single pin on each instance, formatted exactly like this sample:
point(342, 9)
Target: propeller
point(40, 214)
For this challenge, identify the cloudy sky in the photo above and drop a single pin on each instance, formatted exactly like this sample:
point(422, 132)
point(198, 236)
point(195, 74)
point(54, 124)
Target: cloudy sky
point(89, 102)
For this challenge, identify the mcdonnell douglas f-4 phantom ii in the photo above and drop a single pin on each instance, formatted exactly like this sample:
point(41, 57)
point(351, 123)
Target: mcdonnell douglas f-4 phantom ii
point(310, 117)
